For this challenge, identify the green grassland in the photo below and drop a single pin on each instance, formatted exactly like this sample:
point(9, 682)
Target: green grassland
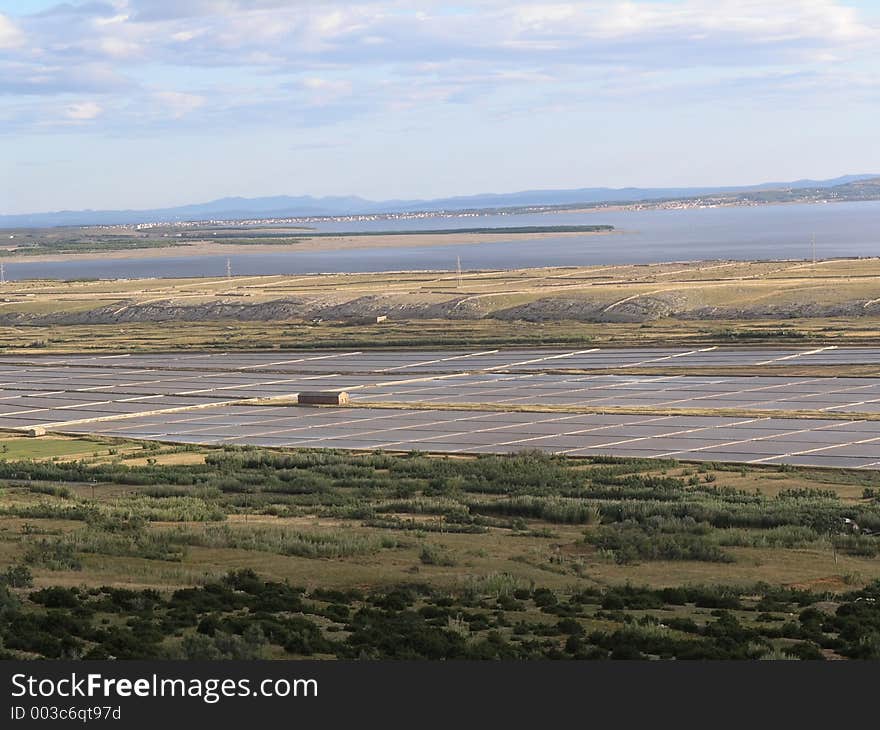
point(117, 548)
point(17, 449)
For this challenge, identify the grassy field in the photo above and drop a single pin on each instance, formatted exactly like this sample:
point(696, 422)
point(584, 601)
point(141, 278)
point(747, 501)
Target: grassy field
point(757, 303)
point(15, 449)
point(439, 333)
point(709, 283)
point(492, 547)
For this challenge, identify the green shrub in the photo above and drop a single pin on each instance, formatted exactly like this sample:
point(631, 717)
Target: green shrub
point(435, 555)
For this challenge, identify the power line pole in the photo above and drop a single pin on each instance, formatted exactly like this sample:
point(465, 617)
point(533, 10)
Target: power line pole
point(458, 269)
point(2, 273)
point(228, 268)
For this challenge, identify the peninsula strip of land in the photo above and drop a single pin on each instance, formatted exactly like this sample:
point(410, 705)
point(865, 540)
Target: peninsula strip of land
point(131, 242)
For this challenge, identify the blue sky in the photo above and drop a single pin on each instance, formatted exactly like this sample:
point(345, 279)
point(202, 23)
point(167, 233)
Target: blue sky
point(142, 103)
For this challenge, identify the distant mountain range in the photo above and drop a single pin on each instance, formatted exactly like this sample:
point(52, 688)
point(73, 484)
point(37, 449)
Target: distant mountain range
point(283, 206)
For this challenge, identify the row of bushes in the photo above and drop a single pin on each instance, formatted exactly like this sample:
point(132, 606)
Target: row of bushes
point(243, 616)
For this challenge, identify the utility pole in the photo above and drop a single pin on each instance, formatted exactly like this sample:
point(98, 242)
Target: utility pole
point(228, 268)
point(458, 269)
point(2, 273)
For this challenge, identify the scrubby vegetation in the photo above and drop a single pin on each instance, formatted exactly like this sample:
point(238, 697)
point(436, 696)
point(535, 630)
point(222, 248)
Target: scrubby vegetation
point(243, 616)
point(522, 556)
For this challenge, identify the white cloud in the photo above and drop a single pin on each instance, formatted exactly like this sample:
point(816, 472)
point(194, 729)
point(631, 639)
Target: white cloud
point(118, 48)
point(32, 78)
point(418, 53)
point(112, 19)
point(83, 111)
point(186, 35)
point(748, 19)
point(272, 32)
point(10, 35)
point(177, 104)
point(322, 91)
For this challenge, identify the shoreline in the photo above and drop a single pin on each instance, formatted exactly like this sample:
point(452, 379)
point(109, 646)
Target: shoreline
point(304, 245)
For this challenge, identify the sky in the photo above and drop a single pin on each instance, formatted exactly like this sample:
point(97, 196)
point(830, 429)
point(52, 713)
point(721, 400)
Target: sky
point(110, 104)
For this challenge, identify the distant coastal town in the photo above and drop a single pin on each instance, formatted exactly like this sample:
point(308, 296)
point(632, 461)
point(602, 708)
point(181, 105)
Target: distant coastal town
point(855, 191)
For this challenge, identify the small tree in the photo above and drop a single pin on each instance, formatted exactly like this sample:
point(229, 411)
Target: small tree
point(18, 576)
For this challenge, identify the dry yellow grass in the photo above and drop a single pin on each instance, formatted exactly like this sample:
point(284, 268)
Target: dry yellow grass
point(729, 287)
point(706, 284)
point(619, 410)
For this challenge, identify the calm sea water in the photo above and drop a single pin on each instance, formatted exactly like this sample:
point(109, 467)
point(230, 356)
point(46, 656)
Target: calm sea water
point(768, 232)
